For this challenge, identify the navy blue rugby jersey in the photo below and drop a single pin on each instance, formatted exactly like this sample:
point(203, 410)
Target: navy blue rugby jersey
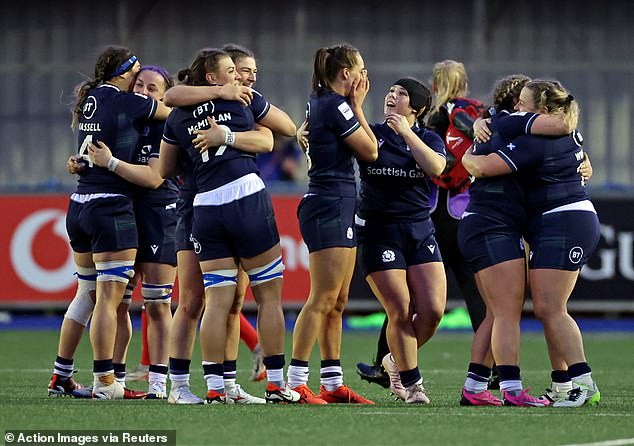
point(394, 187)
point(550, 165)
point(116, 118)
point(149, 148)
point(500, 197)
point(331, 166)
point(222, 164)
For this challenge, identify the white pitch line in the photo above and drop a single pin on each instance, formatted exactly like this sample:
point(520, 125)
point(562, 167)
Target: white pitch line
point(619, 442)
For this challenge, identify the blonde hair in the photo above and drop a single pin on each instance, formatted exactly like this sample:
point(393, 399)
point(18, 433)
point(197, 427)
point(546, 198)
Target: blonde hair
point(450, 81)
point(552, 96)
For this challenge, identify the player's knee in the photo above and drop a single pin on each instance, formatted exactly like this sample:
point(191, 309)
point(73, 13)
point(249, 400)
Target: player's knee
point(115, 271)
point(220, 278)
point(154, 293)
point(271, 271)
point(82, 305)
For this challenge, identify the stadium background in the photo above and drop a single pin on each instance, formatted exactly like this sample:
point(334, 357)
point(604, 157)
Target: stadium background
point(46, 46)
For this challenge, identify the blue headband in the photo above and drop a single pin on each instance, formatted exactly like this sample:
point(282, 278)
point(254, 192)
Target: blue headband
point(125, 66)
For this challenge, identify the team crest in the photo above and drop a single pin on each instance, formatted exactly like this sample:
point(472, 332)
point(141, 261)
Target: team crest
point(388, 256)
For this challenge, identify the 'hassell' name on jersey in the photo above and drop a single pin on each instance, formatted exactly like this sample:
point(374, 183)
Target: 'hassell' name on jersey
point(392, 172)
point(89, 127)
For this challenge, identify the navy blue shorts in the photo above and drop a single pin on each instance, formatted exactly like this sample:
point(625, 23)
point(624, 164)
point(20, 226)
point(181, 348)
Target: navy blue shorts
point(101, 225)
point(563, 240)
point(327, 222)
point(184, 220)
point(384, 246)
point(243, 228)
point(485, 241)
point(156, 226)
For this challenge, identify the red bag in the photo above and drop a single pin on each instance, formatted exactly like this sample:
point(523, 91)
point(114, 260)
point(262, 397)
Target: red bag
point(462, 113)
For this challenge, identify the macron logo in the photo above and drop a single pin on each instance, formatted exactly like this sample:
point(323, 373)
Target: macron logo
point(154, 248)
point(431, 248)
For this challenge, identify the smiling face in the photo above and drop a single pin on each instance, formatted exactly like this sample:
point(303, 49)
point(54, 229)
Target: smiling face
point(247, 69)
point(225, 73)
point(526, 103)
point(397, 101)
point(150, 83)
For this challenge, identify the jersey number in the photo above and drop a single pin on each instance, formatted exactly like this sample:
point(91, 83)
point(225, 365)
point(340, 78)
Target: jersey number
point(219, 152)
point(83, 150)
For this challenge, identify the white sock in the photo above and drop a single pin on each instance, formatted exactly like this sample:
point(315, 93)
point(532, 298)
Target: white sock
point(296, 375)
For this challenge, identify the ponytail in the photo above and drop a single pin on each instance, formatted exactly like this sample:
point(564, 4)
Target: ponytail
point(328, 61)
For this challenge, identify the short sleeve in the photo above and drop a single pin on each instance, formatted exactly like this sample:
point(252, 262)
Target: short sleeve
point(516, 124)
point(259, 106)
point(137, 106)
point(522, 152)
point(343, 120)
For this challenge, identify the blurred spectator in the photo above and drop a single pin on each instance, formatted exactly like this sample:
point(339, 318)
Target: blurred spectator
point(284, 163)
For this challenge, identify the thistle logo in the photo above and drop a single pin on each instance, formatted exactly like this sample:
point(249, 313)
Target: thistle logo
point(388, 256)
point(349, 233)
point(30, 237)
point(196, 243)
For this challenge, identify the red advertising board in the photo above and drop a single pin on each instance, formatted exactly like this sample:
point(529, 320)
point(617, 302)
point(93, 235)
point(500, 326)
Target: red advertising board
point(36, 262)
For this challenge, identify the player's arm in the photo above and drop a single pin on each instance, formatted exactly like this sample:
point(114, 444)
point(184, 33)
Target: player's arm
point(183, 95)
point(168, 165)
point(278, 121)
point(259, 140)
point(140, 175)
point(482, 166)
point(362, 141)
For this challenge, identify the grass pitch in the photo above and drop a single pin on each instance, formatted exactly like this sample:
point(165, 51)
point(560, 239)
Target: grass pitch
point(26, 367)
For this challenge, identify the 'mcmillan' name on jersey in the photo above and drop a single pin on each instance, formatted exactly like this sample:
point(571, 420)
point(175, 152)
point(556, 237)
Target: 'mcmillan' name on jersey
point(395, 172)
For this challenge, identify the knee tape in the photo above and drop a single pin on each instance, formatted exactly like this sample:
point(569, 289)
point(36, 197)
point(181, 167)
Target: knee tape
point(115, 271)
point(266, 273)
point(220, 278)
point(127, 294)
point(80, 309)
point(156, 293)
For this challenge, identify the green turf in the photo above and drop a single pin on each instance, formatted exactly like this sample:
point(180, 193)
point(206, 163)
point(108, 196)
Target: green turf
point(27, 360)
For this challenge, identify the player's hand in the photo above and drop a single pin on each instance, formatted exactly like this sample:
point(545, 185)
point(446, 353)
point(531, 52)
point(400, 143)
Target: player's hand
point(100, 154)
point(236, 93)
point(585, 168)
point(75, 164)
point(302, 135)
point(214, 136)
point(481, 129)
point(359, 91)
point(397, 122)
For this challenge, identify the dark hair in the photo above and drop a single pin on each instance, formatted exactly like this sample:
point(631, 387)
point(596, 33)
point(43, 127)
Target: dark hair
point(419, 96)
point(328, 62)
point(169, 82)
point(206, 61)
point(237, 52)
point(507, 90)
point(113, 61)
